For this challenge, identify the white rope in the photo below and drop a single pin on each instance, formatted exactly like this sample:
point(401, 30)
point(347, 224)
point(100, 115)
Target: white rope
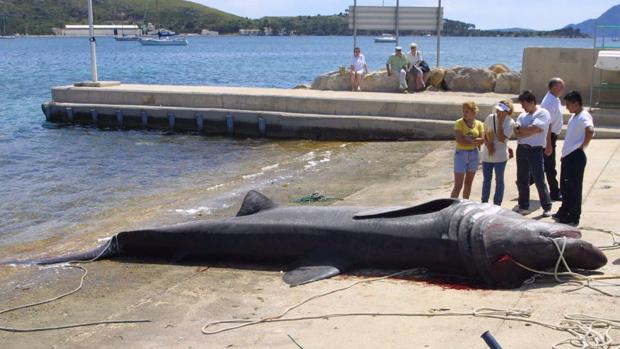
point(614, 237)
point(582, 281)
point(69, 264)
point(245, 323)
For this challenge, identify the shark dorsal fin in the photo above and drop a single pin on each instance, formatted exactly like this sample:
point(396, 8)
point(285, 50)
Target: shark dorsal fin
point(254, 202)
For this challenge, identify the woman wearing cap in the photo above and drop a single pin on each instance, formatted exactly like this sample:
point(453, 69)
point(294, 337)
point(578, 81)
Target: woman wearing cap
point(358, 69)
point(469, 135)
point(414, 66)
point(498, 129)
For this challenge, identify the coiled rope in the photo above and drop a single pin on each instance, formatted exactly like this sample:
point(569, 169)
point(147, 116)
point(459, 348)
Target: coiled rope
point(69, 264)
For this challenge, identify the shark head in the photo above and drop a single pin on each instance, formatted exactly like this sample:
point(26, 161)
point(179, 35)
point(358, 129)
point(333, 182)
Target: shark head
point(495, 241)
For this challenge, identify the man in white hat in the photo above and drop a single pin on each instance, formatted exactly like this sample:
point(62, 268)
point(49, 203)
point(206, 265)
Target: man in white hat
point(397, 64)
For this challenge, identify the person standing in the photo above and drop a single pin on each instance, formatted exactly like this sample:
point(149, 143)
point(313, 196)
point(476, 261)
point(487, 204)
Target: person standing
point(551, 102)
point(497, 130)
point(579, 133)
point(531, 130)
point(414, 62)
point(468, 133)
point(358, 69)
point(397, 64)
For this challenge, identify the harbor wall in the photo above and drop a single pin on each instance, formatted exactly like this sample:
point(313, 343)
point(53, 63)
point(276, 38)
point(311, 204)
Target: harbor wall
point(573, 65)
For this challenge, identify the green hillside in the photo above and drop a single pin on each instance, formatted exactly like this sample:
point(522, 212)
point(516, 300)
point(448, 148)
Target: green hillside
point(37, 17)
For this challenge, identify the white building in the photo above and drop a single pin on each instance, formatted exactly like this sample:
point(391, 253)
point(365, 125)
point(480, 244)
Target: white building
point(249, 31)
point(208, 32)
point(100, 30)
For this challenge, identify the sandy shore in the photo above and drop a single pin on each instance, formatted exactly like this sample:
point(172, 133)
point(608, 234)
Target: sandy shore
point(180, 299)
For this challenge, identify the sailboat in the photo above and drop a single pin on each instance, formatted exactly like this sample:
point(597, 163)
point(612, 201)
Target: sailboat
point(4, 36)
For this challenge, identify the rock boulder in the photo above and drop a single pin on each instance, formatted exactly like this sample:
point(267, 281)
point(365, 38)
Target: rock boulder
point(499, 68)
point(332, 81)
point(435, 77)
point(509, 82)
point(470, 79)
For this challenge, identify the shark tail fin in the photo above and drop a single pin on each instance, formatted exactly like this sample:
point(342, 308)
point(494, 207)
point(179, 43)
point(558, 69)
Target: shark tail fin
point(254, 202)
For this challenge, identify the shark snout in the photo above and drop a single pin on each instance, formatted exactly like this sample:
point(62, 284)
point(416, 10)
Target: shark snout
point(582, 254)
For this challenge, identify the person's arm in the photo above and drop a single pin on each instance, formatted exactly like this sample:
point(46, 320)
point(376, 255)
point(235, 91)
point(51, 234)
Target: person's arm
point(389, 71)
point(548, 147)
point(523, 132)
point(467, 141)
point(489, 144)
point(499, 132)
point(589, 134)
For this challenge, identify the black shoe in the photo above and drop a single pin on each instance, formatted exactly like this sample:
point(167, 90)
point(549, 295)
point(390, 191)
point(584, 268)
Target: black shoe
point(557, 216)
point(569, 221)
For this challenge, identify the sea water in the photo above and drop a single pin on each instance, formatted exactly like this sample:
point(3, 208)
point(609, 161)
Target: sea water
point(57, 181)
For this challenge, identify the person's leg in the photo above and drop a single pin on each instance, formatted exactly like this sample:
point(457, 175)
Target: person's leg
point(536, 160)
point(500, 167)
point(473, 157)
point(523, 177)
point(403, 79)
point(460, 167)
point(360, 77)
point(487, 176)
point(561, 214)
point(576, 162)
point(469, 179)
point(550, 171)
point(458, 184)
point(419, 79)
point(353, 75)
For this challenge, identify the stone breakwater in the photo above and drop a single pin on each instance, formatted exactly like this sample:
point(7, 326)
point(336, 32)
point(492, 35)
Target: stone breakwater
point(497, 78)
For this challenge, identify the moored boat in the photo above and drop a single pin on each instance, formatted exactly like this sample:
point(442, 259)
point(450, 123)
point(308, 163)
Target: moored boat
point(385, 38)
point(163, 42)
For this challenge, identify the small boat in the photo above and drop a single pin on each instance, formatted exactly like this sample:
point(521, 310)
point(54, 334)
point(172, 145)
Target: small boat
point(163, 42)
point(127, 38)
point(6, 37)
point(385, 38)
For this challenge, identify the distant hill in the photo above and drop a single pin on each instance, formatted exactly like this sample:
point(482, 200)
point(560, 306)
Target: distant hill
point(513, 30)
point(610, 17)
point(39, 16)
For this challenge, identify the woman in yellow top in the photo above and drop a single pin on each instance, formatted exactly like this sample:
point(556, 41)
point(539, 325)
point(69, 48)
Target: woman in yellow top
point(469, 134)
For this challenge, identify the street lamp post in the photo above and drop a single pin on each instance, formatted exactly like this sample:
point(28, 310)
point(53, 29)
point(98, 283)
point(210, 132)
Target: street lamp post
point(93, 43)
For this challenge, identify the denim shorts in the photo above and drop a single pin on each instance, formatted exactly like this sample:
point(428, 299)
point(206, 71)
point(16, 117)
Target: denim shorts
point(466, 160)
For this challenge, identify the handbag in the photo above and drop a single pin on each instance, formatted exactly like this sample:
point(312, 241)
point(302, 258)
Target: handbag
point(424, 67)
point(511, 153)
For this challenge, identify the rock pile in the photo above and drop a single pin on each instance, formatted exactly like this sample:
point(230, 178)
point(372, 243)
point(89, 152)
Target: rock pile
point(497, 78)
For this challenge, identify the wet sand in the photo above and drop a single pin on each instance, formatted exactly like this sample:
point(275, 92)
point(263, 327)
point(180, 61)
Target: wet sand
point(179, 299)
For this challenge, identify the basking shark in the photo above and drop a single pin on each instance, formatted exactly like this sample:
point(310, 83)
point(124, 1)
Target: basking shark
point(448, 235)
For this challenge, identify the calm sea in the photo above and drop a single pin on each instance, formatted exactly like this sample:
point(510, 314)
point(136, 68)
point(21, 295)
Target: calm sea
point(55, 180)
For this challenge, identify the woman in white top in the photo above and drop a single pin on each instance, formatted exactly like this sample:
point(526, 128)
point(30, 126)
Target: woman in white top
point(358, 69)
point(414, 61)
point(497, 130)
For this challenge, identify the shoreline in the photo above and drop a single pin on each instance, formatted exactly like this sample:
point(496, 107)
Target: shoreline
point(181, 298)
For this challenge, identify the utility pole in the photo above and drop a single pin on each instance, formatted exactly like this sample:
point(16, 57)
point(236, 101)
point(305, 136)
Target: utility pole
point(93, 43)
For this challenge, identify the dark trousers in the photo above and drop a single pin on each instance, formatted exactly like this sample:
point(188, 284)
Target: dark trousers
point(530, 163)
point(571, 177)
point(550, 172)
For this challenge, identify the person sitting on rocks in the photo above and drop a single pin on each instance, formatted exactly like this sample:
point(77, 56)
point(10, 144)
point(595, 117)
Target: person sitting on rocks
point(414, 67)
point(358, 69)
point(397, 64)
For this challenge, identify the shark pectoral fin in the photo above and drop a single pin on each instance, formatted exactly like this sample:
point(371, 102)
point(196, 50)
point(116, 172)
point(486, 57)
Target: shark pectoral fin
point(306, 274)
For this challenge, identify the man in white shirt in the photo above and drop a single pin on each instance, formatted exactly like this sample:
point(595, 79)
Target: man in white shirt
point(579, 133)
point(552, 104)
point(531, 130)
point(414, 70)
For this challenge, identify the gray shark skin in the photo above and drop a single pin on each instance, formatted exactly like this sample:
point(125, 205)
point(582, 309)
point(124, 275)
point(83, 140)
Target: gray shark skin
point(448, 235)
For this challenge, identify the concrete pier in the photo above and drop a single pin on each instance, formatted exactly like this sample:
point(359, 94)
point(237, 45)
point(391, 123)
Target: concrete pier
point(275, 113)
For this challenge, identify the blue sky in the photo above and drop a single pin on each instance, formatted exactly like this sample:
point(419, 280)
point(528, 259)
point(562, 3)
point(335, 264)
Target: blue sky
point(485, 14)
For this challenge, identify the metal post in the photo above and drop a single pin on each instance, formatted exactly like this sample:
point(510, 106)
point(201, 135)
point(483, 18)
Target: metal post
point(593, 62)
point(354, 24)
point(439, 19)
point(397, 39)
point(93, 44)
